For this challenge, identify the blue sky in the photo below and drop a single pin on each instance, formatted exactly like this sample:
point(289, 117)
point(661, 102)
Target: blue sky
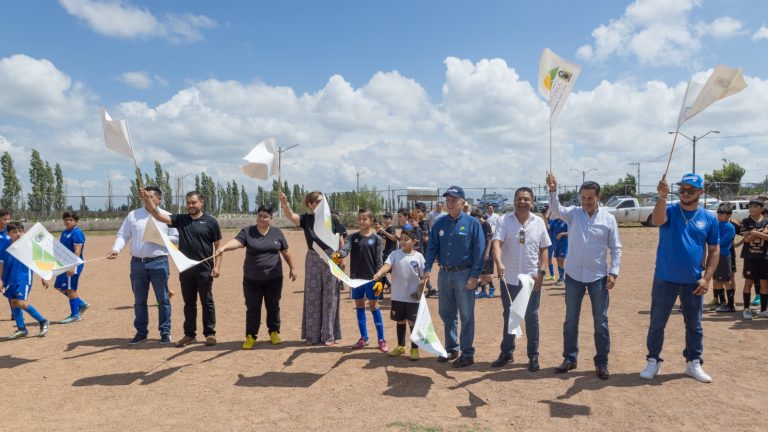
point(355, 82)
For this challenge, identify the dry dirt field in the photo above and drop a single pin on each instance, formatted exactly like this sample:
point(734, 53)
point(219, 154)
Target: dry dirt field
point(84, 375)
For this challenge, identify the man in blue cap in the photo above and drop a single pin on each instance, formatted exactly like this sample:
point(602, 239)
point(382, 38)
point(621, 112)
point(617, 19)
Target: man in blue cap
point(456, 241)
point(684, 231)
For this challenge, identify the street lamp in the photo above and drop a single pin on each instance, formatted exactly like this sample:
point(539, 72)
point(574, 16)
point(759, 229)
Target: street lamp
point(584, 173)
point(280, 152)
point(357, 191)
point(693, 141)
point(637, 164)
point(178, 191)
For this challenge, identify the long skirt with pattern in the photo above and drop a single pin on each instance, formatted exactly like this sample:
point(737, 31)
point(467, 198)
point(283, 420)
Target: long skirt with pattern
point(320, 319)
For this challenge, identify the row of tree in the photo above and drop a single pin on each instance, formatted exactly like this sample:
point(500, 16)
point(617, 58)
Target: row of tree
point(47, 194)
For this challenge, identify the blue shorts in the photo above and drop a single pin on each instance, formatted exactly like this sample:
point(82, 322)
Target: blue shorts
point(366, 291)
point(65, 282)
point(17, 292)
point(560, 249)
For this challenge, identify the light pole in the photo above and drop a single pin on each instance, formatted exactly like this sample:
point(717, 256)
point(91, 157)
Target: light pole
point(693, 141)
point(637, 189)
point(280, 152)
point(357, 191)
point(584, 173)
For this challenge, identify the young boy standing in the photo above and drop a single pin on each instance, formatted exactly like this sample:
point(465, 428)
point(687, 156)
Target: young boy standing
point(16, 284)
point(73, 238)
point(388, 233)
point(364, 248)
point(722, 278)
point(5, 240)
point(407, 268)
point(754, 253)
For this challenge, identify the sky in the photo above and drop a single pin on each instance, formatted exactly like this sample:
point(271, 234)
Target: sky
point(427, 93)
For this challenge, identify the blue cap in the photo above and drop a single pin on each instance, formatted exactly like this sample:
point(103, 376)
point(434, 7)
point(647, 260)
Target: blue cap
point(692, 179)
point(455, 191)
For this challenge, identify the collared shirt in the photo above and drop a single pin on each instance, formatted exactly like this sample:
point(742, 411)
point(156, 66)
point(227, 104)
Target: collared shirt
point(588, 238)
point(520, 257)
point(493, 220)
point(133, 230)
point(456, 242)
point(432, 217)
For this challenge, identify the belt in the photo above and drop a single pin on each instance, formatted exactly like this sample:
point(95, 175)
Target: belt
point(150, 259)
point(454, 268)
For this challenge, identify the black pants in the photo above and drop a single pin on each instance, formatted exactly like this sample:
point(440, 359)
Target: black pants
point(255, 292)
point(194, 284)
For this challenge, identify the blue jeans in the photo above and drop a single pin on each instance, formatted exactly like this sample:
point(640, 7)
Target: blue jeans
point(142, 274)
point(454, 296)
point(663, 298)
point(598, 296)
point(508, 294)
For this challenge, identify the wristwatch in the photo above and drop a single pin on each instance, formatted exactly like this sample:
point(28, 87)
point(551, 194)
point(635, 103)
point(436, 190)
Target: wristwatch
point(542, 272)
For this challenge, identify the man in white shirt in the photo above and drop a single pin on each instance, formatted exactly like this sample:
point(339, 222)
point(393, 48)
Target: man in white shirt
point(434, 214)
point(591, 233)
point(520, 246)
point(149, 264)
point(492, 218)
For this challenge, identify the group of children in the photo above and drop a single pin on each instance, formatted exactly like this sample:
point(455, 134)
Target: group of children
point(17, 277)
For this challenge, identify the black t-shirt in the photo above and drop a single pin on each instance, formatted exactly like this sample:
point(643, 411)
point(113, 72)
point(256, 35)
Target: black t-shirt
point(487, 231)
point(365, 255)
point(307, 222)
point(756, 249)
point(262, 252)
point(196, 237)
point(389, 245)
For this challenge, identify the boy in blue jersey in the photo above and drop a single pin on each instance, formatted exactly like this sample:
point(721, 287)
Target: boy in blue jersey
point(722, 279)
point(365, 248)
point(16, 284)
point(558, 232)
point(5, 241)
point(74, 239)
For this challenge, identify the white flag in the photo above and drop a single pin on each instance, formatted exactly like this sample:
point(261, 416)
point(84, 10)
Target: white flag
point(520, 305)
point(423, 333)
point(116, 135)
point(556, 79)
point(153, 234)
point(691, 91)
point(324, 225)
point(42, 253)
point(723, 82)
point(337, 271)
point(262, 160)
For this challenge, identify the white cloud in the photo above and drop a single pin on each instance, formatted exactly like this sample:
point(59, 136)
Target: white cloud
point(121, 19)
point(721, 28)
point(141, 80)
point(761, 33)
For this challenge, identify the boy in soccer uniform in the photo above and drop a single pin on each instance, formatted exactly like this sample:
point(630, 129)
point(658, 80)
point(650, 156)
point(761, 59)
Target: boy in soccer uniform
point(753, 230)
point(723, 274)
point(364, 248)
point(16, 284)
point(388, 233)
point(407, 268)
point(559, 249)
point(73, 238)
point(5, 240)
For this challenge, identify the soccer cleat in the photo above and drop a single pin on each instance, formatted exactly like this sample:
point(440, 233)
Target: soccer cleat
point(693, 369)
point(360, 343)
point(397, 351)
point(551, 277)
point(651, 369)
point(756, 301)
point(210, 340)
point(84, 307)
point(383, 347)
point(747, 314)
point(18, 334)
point(184, 341)
point(725, 307)
point(763, 314)
point(559, 282)
point(44, 328)
point(274, 337)
point(249, 342)
point(71, 319)
point(414, 354)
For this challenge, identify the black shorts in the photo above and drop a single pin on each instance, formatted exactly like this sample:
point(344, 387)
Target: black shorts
point(723, 271)
point(487, 267)
point(400, 311)
point(733, 259)
point(755, 269)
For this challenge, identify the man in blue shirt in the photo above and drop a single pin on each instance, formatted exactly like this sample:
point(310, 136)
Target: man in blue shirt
point(684, 231)
point(456, 241)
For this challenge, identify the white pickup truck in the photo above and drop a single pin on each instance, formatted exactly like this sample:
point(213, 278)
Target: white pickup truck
point(628, 209)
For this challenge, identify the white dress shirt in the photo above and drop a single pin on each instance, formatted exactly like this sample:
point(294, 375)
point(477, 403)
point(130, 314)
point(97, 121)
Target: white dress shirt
point(518, 257)
point(589, 238)
point(133, 230)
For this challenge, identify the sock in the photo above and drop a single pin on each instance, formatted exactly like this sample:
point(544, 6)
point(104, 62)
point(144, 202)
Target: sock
point(74, 307)
point(400, 334)
point(19, 317)
point(730, 294)
point(552, 270)
point(80, 303)
point(561, 273)
point(413, 344)
point(720, 295)
point(379, 323)
point(747, 299)
point(361, 323)
point(34, 313)
point(490, 284)
point(763, 302)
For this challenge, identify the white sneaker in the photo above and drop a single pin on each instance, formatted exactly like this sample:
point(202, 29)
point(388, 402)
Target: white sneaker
point(763, 314)
point(651, 369)
point(693, 369)
point(747, 314)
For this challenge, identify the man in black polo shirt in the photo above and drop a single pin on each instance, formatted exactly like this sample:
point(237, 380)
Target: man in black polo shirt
point(199, 237)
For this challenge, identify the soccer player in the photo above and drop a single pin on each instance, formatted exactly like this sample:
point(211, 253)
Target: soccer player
point(5, 240)
point(364, 248)
point(388, 233)
point(754, 254)
point(16, 285)
point(722, 279)
point(558, 230)
point(73, 238)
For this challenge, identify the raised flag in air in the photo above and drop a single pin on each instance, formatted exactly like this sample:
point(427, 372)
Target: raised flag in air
point(324, 225)
point(43, 253)
point(723, 82)
point(262, 161)
point(116, 135)
point(556, 79)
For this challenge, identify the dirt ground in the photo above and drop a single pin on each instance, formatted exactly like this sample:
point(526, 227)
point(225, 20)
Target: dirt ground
point(85, 376)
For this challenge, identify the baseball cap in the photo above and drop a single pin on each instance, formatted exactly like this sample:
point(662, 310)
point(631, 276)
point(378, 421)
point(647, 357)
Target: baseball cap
point(692, 179)
point(455, 191)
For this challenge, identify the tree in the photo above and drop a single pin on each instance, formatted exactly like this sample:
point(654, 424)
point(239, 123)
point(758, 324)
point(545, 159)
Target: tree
point(58, 199)
point(11, 185)
point(162, 181)
point(244, 201)
point(134, 198)
point(37, 179)
point(725, 181)
point(624, 186)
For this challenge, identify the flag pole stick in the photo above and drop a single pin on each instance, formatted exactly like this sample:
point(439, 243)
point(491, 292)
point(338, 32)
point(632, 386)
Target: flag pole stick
point(550, 143)
point(669, 159)
point(94, 259)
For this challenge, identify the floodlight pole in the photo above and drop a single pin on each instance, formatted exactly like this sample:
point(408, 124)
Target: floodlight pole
point(280, 152)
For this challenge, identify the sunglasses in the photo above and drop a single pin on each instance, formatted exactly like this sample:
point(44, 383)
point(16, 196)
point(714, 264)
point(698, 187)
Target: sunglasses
point(522, 236)
point(687, 191)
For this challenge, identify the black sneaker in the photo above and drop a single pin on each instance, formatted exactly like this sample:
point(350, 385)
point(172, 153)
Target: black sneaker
point(165, 339)
point(533, 364)
point(725, 308)
point(137, 340)
point(431, 293)
point(452, 355)
point(502, 360)
point(464, 361)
